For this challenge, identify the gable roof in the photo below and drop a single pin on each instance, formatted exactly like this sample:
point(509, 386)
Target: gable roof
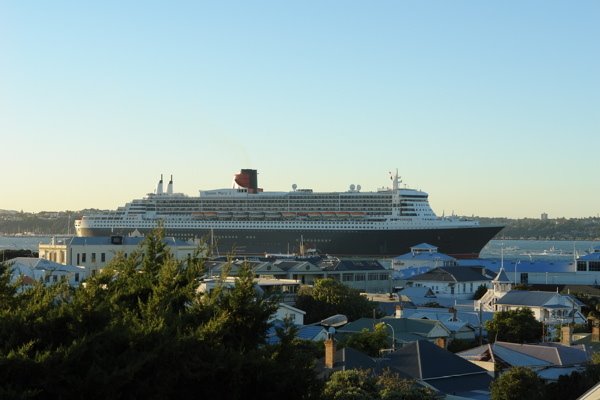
point(526, 298)
point(352, 265)
point(439, 368)
point(529, 355)
point(41, 264)
point(416, 328)
point(553, 353)
point(455, 274)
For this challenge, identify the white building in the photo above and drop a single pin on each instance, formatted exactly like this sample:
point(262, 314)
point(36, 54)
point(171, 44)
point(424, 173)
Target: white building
point(453, 282)
point(287, 312)
point(94, 253)
point(423, 255)
point(30, 269)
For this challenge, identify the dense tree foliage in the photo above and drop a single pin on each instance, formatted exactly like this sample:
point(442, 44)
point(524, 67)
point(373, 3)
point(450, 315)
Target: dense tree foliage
point(356, 384)
point(369, 342)
point(516, 384)
point(329, 297)
point(517, 326)
point(571, 387)
point(139, 329)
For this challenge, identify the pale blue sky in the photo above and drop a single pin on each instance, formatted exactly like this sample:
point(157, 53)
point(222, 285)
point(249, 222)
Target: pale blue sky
point(493, 108)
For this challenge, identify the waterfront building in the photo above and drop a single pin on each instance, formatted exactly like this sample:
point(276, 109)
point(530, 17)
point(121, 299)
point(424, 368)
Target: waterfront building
point(95, 253)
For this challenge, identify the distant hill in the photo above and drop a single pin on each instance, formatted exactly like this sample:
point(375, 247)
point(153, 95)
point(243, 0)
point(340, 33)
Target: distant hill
point(549, 229)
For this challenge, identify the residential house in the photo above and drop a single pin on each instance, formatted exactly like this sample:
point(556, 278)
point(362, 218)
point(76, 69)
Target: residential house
point(368, 276)
point(549, 360)
point(423, 361)
point(287, 312)
point(453, 282)
point(402, 331)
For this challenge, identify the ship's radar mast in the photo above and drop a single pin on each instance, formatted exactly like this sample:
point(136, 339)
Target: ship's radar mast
point(395, 180)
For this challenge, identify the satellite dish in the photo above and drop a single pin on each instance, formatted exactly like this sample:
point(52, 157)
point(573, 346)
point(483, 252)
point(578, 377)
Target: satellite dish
point(294, 187)
point(358, 188)
point(352, 187)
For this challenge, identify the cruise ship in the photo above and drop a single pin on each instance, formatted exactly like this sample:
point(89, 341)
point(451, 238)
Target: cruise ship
point(245, 220)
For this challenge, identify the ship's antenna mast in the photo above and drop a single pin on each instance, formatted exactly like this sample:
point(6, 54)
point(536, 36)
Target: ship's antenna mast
point(395, 180)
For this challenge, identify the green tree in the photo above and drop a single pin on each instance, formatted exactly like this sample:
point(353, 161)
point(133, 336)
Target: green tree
point(392, 387)
point(140, 329)
point(354, 384)
point(518, 383)
point(517, 326)
point(369, 342)
point(481, 290)
point(329, 297)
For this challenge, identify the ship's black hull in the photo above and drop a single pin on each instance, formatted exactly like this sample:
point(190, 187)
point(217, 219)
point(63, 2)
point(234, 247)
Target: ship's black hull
point(464, 242)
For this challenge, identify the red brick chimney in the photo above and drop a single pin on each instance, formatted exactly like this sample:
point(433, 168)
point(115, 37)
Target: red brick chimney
point(329, 353)
point(566, 337)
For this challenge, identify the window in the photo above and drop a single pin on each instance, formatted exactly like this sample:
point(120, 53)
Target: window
point(581, 266)
point(360, 277)
point(93, 257)
point(594, 266)
point(471, 287)
point(78, 259)
point(103, 257)
point(347, 277)
point(76, 276)
point(83, 257)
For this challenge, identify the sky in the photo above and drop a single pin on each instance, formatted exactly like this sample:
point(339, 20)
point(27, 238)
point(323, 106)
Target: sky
point(493, 108)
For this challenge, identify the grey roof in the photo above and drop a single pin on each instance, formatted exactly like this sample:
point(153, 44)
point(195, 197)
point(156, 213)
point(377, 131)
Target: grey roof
point(455, 274)
point(42, 264)
point(126, 240)
point(526, 298)
point(438, 367)
point(417, 292)
point(552, 353)
point(352, 265)
point(287, 265)
point(501, 277)
point(420, 327)
point(529, 355)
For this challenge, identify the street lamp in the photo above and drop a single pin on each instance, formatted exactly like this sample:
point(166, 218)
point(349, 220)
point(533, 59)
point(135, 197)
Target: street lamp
point(393, 336)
